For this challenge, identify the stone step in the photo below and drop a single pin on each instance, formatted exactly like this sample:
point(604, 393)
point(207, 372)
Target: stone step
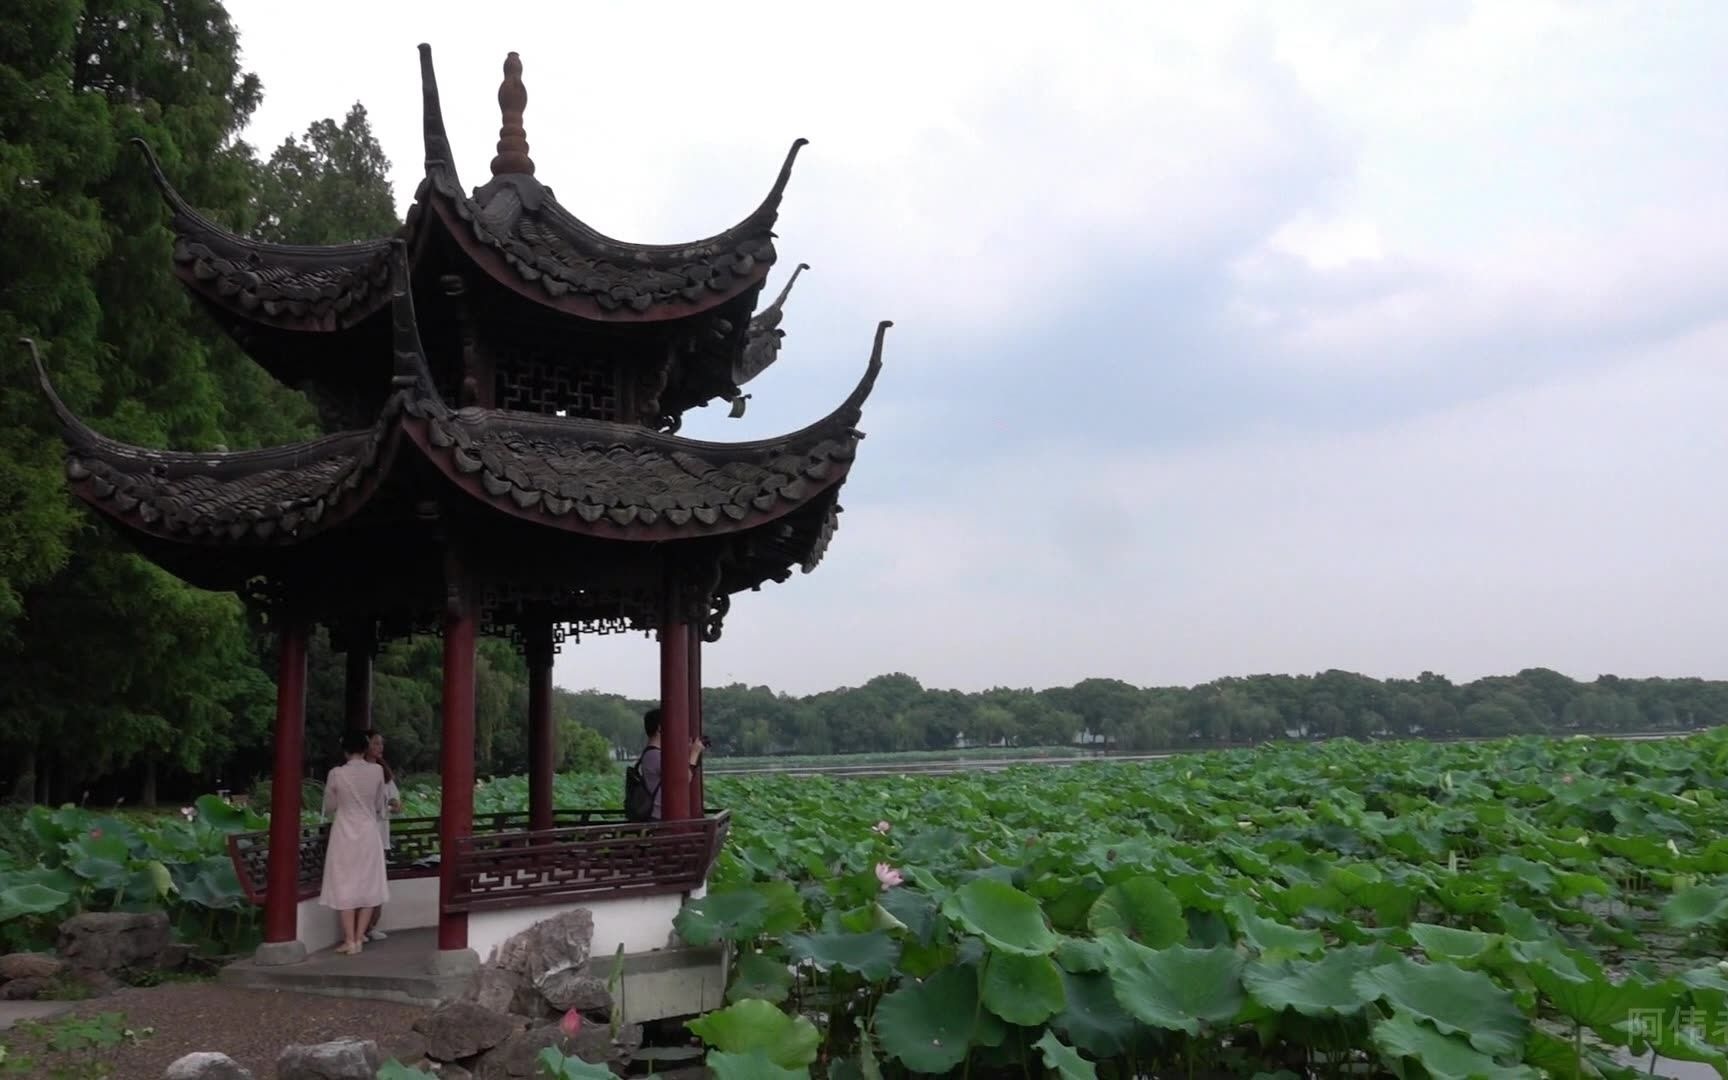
point(665, 983)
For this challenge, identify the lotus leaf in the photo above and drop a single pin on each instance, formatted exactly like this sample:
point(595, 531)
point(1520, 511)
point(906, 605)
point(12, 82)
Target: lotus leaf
point(750, 1026)
point(30, 900)
point(1142, 909)
point(1177, 988)
point(1445, 1057)
point(1697, 907)
point(1453, 1000)
point(1272, 939)
point(741, 914)
point(1450, 943)
point(1008, 919)
point(931, 1026)
point(1316, 988)
point(561, 1067)
point(759, 976)
point(1063, 1060)
point(755, 1065)
point(871, 955)
point(1023, 990)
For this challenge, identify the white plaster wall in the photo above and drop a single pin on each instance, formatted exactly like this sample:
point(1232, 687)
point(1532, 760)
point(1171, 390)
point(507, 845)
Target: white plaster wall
point(318, 928)
point(639, 923)
point(413, 903)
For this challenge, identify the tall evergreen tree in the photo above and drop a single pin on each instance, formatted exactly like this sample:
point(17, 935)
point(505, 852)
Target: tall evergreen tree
point(119, 664)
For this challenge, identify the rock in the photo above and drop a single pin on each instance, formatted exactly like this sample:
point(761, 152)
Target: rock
point(519, 1056)
point(451, 1072)
point(575, 989)
point(30, 965)
point(99, 983)
point(174, 956)
point(24, 989)
point(463, 1029)
point(207, 1066)
point(408, 1047)
point(344, 1059)
point(111, 940)
point(506, 992)
point(549, 946)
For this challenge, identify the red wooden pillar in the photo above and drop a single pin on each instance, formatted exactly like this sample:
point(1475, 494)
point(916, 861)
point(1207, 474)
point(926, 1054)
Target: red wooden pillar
point(698, 799)
point(456, 806)
point(282, 889)
point(542, 738)
point(674, 717)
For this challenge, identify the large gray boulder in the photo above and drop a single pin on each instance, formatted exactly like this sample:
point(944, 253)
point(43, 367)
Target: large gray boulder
point(343, 1059)
point(112, 940)
point(207, 1066)
point(463, 1029)
point(561, 943)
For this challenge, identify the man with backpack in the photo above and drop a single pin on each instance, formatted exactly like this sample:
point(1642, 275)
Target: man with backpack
point(642, 780)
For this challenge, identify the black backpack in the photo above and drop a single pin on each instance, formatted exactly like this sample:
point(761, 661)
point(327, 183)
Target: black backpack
point(638, 796)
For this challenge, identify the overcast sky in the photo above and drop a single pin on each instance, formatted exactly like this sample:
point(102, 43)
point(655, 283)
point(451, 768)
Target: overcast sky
point(1379, 336)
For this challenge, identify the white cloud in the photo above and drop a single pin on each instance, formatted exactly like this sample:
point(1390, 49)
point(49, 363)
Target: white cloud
point(1573, 525)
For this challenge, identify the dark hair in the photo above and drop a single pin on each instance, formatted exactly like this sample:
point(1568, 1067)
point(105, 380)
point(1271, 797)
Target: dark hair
point(389, 773)
point(651, 722)
point(355, 741)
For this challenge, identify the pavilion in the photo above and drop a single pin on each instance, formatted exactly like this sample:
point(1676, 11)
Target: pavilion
point(501, 388)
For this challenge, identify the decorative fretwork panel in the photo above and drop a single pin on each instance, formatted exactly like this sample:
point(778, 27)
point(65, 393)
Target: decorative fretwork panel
point(506, 870)
point(538, 382)
point(576, 612)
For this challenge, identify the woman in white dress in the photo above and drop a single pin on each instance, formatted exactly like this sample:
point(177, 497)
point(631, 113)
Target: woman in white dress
point(375, 753)
point(354, 874)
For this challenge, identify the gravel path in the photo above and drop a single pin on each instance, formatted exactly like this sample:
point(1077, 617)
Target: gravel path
point(250, 1026)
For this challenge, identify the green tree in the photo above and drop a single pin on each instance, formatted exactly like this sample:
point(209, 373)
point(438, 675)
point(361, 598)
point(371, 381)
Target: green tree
point(88, 272)
point(330, 186)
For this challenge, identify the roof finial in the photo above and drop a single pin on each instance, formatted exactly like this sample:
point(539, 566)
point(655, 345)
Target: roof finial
point(512, 139)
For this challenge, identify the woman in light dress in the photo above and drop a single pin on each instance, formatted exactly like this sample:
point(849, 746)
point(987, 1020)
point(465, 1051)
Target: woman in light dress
point(375, 753)
point(354, 875)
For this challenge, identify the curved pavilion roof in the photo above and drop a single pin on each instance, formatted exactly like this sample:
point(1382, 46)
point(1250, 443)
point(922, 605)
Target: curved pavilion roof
point(618, 484)
point(512, 231)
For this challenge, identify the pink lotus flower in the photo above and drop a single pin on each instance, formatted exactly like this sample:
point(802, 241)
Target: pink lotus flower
point(571, 1024)
point(95, 834)
point(888, 876)
point(188, 813)
point(881, 827)
point(1567, 779)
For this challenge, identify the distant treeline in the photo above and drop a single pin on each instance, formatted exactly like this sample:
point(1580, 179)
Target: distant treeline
point(896, 713)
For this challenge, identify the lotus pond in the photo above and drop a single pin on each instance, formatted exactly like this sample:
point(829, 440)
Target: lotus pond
point(1514, 909)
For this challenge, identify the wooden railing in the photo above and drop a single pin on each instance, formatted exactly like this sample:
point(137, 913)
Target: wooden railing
point(503, 844)
point(520, 869)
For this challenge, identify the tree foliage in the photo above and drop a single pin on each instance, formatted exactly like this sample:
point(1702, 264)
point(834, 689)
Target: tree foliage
point(893, 713)
point(83, 269)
